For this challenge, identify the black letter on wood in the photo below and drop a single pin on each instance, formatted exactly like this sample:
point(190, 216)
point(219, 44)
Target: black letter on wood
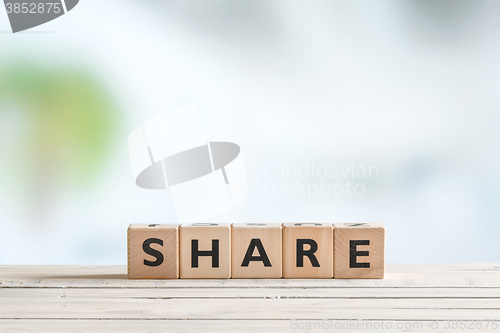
point(354, 253)
point(214, 253)
point(256, 243)
point(146, 246)
point(309, 253)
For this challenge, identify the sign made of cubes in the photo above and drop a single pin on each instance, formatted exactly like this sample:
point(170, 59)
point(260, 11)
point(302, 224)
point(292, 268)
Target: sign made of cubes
point(256, 250)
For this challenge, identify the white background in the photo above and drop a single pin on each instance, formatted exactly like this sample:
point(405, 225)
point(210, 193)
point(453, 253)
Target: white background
point(410, 87)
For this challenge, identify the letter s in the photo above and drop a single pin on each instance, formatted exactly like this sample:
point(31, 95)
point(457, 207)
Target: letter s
point(146, 246)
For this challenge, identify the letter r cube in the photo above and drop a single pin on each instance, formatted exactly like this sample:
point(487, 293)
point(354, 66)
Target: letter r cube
point(307, 250)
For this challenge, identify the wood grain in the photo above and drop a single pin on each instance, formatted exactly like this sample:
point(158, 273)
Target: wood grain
point(204, 234)
point(102, 298)
point(142, 265)
point(269, 237)
point(363, 259)
point(320, 264)
point(215, 325)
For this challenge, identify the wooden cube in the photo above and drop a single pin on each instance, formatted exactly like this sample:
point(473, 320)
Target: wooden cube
point(153, 251)
point(359, 251)
point(307, 250)
point(256, 250)
point(205, 251)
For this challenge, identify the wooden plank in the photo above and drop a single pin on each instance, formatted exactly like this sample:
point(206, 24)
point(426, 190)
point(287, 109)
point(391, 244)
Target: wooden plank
point(268, 293)
point(75, 298)
point(397, 268)
point(397, 276)
point(58, 306)
point(93, 325)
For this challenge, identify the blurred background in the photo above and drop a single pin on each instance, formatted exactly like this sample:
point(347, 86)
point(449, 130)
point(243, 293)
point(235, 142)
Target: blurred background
point(410, 88)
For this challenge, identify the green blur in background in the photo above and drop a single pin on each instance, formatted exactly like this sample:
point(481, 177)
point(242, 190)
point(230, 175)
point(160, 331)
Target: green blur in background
point(69, 122)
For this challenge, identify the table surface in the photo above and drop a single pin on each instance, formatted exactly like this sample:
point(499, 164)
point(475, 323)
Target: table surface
point(410, 298)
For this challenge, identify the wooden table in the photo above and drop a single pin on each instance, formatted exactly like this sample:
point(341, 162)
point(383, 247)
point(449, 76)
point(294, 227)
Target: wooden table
point(410, 298)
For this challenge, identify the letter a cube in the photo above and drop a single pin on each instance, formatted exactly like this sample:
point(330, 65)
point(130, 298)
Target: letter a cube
point(359, 251)
point(205, 251)
point(307, 250)
point(256, 250)
point(153, 251)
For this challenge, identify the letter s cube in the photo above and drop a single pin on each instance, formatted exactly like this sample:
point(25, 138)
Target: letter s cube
point(153, 251)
